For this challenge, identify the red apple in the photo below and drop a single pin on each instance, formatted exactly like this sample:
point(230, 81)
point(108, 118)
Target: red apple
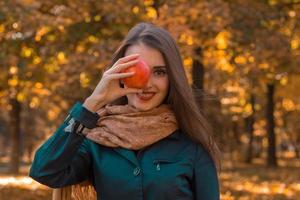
point(141, 76)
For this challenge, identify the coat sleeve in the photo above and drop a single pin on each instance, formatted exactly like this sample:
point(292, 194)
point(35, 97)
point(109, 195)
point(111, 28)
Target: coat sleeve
point(64, 159)
point(205, 180)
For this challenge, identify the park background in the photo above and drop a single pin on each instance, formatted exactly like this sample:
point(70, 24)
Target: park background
point(242, 58)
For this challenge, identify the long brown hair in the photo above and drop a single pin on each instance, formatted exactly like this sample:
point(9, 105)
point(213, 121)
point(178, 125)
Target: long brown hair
point(180, 96)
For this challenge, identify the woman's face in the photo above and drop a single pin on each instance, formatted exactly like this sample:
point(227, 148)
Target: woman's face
point(157, 86)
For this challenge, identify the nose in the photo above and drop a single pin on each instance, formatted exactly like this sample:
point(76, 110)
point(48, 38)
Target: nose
point(149, 84)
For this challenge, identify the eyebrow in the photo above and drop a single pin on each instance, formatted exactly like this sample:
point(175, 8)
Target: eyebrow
point(162, 66)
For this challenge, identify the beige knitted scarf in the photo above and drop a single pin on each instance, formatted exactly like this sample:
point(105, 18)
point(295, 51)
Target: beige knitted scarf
point(137, 129)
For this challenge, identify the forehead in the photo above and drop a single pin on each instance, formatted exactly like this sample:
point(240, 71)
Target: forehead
point(150, 55)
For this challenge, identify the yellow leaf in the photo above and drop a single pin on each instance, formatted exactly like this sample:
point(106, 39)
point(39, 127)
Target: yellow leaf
point(188, 61)
point(61, 58)
point(135, 9)
point(87, 19)
point(97, 18)
point(288, 104)
point(51, 37)
point(36, 60)
point(263, 66)
point(84, 80)
point(51, 67)
point(224, 65)
point(13, 81)
point(284, 80)
point(80, 48)
point(248, 108)
point(190, 40)
point(295, 43)
point(2, 28)
point(182, 38)
point(53, 113)
point(151, 12)
point(27, 2)
point(148, 2)
point(273, 2)
point(34, 102)
point(38, 85)
point(240, 60)
point(21, 96)
point(222, 39)
point(251, 59)
point(13, 70)
point(93, 39)
point(41, 32)
point(26, 52)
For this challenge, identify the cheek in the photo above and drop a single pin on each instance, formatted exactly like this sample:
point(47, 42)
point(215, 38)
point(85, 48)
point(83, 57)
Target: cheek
point(163, 85)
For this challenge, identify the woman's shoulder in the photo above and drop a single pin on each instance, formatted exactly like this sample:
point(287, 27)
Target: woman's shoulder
point(198, 150)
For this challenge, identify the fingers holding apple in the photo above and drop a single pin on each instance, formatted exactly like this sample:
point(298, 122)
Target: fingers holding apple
point(119, 66)
point(126, 59)
point(132, 71)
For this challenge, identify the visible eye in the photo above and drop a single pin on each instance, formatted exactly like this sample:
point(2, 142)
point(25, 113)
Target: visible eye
point(160, 72)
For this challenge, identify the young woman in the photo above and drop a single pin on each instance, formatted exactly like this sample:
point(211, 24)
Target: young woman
point(148, 143)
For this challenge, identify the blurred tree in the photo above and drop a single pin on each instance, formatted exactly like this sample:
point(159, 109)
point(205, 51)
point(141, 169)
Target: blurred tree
point(260, 54)
point(48, 45)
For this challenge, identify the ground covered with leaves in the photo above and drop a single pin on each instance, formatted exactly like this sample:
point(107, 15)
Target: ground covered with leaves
point(238, 182)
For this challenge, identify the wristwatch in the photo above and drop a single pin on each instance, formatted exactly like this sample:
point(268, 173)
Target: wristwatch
point(80, 120)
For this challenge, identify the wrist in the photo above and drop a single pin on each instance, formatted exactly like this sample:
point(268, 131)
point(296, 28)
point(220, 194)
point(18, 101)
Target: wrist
point(81, 120)
point(93, 104)
point(76, 127)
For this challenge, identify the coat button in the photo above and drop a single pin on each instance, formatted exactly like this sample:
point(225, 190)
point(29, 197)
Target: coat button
point(136, 171)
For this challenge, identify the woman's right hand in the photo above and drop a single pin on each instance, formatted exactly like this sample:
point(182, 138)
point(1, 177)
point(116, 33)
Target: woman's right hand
point(108, 89)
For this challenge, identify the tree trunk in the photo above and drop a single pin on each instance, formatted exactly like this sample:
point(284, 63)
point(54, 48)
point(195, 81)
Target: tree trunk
point(198, 76)
point(297, 149)
point(272, 160)
point(156, 4)
point(15, 135)
point(250, 130)
point(235, 140)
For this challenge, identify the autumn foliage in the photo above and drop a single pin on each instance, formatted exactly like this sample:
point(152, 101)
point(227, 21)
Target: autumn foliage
point(242, 58)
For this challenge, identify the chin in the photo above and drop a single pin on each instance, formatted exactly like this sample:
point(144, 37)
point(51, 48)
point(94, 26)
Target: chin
point(143, 107)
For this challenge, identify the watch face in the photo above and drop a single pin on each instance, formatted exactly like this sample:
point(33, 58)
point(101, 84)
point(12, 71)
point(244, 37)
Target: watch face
point(76, 127)
point(82, 130)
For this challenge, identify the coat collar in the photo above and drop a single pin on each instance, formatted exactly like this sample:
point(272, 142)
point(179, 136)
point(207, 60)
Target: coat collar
point(175, 135)
point(155, 148)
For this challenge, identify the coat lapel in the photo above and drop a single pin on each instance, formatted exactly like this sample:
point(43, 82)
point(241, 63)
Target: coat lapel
point(128, 154)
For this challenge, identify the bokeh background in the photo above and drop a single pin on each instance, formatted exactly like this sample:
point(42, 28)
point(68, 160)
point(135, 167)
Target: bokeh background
point(242, 58)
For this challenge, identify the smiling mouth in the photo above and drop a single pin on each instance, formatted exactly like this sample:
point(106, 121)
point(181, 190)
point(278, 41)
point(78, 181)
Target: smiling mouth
point(145, 96)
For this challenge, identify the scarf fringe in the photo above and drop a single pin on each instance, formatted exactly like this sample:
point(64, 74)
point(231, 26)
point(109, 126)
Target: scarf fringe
point(82, 191)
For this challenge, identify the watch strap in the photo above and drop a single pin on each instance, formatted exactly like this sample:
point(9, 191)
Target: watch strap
point(76, 127)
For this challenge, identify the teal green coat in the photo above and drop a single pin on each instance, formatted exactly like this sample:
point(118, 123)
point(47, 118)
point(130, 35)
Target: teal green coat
point(173, 168)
